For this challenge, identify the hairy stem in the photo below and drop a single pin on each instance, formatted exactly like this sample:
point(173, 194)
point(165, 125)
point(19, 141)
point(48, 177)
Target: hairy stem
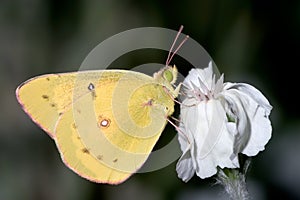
point(234, 182)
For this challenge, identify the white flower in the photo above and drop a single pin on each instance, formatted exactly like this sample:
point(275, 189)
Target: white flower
point(218, 121)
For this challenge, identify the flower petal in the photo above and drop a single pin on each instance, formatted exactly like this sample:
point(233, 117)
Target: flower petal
point(235, 106)
point(213, 144)
point(186, 165)
point(219, 85)
point(202, 78)
point(185, 168)
point(257, 109)
point(252, 92)
point(261, 130)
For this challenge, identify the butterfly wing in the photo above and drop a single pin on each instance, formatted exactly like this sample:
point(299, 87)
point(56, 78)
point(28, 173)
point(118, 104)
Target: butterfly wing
point(45, 98)
point(105, 123)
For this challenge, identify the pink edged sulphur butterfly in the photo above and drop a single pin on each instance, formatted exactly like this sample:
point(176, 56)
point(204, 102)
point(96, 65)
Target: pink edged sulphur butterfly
point(105, 123)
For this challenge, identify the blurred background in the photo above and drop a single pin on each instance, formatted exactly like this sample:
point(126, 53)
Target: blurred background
point(250, 41)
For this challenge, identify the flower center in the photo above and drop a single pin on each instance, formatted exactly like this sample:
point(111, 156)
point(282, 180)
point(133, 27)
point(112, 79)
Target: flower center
point(201, 96)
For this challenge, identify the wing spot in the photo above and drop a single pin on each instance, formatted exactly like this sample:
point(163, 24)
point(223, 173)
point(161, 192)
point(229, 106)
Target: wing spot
point(74, 126)
point(104, 123)
point(100, 157)
point(44, 96)
point(52, 105)
point(115, 160)
point(149, 103)
point(91, 87)
point(85, 150)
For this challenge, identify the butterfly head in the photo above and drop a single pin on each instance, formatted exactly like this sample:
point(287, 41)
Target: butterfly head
point(167, 76)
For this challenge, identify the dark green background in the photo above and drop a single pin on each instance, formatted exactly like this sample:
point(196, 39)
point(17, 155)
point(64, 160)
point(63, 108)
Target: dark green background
point(250, 41)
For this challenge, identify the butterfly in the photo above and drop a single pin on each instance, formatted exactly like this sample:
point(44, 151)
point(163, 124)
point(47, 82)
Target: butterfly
point(105, 123)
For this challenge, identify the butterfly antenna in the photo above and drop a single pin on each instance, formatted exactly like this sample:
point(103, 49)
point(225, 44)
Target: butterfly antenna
point(171, 55)
point(178, 33)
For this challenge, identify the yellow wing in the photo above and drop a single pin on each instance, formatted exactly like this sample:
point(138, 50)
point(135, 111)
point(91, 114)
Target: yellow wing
point(105, 123)
point(45, 98)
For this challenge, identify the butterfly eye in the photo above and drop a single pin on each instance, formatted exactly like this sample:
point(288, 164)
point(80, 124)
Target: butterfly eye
point(168, 75)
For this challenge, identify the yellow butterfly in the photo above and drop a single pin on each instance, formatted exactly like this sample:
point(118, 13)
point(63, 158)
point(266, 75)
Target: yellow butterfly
point(105, 123)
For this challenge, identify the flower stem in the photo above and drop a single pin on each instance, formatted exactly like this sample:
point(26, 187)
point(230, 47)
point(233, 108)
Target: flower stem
point(234, 182)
